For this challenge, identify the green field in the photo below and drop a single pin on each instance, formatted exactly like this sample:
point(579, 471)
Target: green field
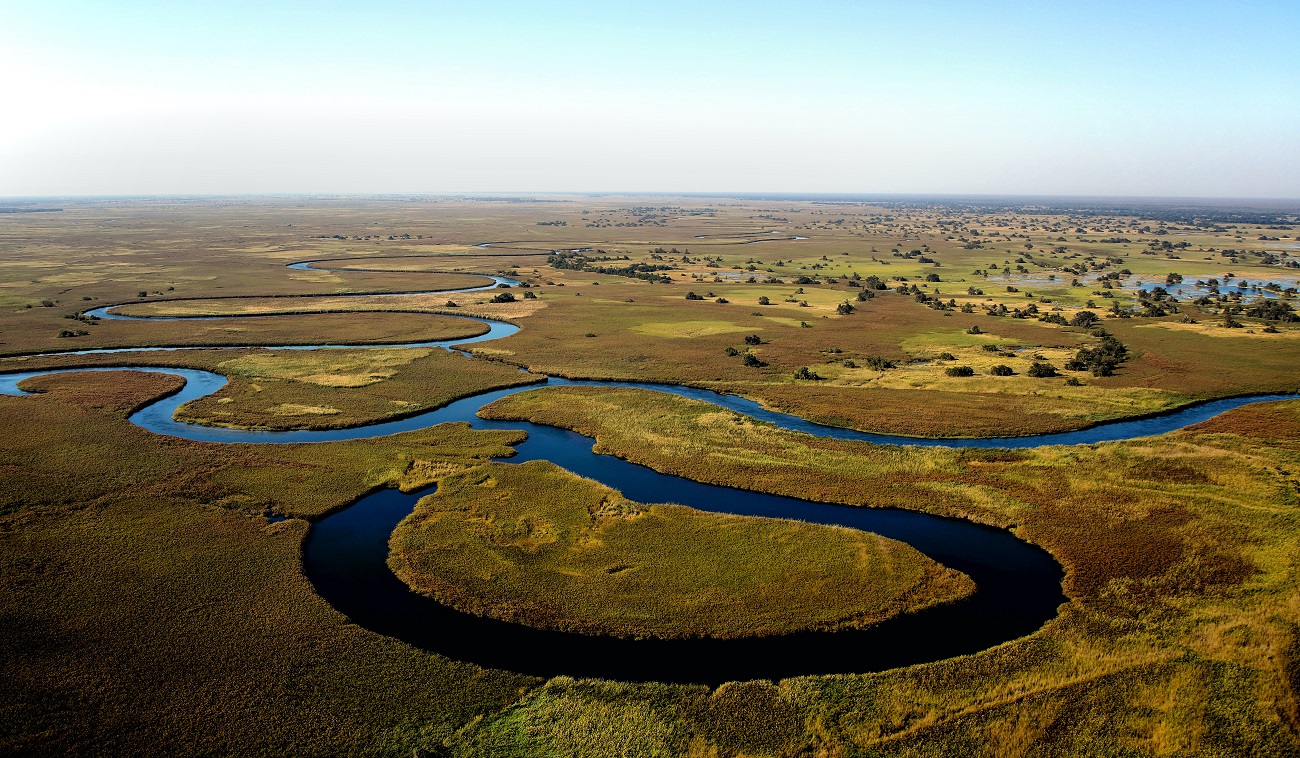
point(152, 602)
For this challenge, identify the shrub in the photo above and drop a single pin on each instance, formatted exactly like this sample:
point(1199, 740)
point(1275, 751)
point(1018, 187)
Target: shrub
point(1001, 370)
point(763, 300)
point(752, 360)
point(731, 351)
point(877, 363)
point(959, 371)
point(753, 339)
point(693, 296)
point(975, 330)
point(1041, 370)
point(530, 295)
point(844, 308)
point(1084, 319)
point(504, 297)
point(947, 357)
point(451, 304)
point(804, 373)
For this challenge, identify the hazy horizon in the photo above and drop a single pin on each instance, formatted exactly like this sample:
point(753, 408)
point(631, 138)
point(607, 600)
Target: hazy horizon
point(1156, 101)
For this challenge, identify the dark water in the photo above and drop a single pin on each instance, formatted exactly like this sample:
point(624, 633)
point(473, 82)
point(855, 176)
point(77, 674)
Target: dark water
point(1019, 588)
point(345, 554)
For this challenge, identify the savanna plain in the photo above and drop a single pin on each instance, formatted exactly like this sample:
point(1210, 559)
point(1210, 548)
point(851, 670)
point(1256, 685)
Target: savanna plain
point(153, 597)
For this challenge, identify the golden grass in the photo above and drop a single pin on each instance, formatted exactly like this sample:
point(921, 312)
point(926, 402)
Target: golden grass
point(537, 545)
point(1180, 635)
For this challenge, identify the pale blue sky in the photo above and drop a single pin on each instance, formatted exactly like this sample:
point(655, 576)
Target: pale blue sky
point(1131, 98)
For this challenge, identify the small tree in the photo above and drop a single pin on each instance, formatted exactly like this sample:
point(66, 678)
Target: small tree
point(959, 371)
point(753, 339)
point(844, 308)
point(1001, 370)
point(1084, 319)
point(1041, 370)
point(763, 300)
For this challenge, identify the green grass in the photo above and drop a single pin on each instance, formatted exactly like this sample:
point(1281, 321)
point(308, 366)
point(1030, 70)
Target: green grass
point(537, 545)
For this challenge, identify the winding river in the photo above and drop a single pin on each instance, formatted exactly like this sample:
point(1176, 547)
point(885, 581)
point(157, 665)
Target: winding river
point(345, 553)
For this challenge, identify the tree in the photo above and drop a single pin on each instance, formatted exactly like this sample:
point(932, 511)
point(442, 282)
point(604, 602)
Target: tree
point(504, 297)
point(753, 339)
point(805, 374)
point(1001, 370)
point(959, 371)
point(1084, 319)
point(752, 360)
point(844, 308)
point(1041, 370)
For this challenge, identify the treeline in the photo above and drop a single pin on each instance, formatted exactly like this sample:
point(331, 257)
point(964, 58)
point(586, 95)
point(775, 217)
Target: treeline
point(580, 262)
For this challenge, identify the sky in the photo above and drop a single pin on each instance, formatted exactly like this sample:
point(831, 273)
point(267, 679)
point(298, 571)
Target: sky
point(1175, 99)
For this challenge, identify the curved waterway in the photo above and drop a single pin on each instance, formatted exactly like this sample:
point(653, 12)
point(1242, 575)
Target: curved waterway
point(345, 554)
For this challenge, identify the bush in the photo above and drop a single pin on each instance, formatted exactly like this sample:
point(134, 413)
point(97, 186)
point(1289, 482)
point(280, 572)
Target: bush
point(731, 351)
point(877, 363)
point(975, 330)
point(1073, 382)
point(722, 300)
point(1041, 370)
point(530, 295)
point(947, 357)
point(753, 339)
point(504, 297)
point(1001, 370)
point(763, 300)
point(959, 371)
point(1084, 319)
point(451, 304)
point(804, 373)
point(753, 361)
point(844, 308)
point(693, 296)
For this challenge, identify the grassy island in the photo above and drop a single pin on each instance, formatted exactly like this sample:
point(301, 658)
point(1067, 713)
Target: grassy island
point(535, 544)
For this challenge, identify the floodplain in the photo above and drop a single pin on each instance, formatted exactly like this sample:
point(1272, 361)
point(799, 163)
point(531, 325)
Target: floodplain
point(154, 597)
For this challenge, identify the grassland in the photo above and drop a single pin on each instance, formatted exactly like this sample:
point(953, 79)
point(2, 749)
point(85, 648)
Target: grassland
point(147, 605)
point(1180, 635)
point(537, 545)
point(582, 323)
point(282, 390)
